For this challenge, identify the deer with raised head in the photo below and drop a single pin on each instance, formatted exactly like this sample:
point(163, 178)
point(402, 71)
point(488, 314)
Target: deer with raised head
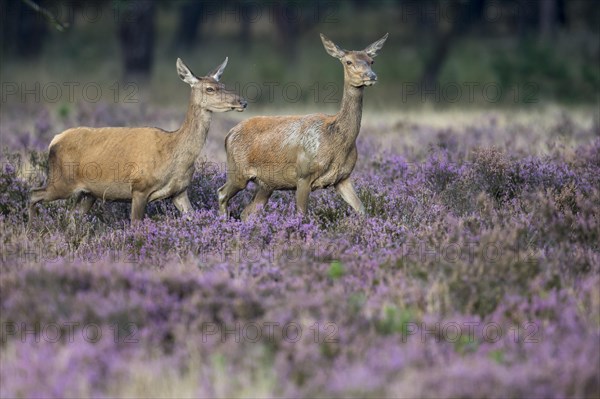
point(304, 153)
point(140, 165)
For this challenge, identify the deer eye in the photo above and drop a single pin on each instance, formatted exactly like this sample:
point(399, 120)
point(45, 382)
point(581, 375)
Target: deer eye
point(210, 89)
point(372, 62)
point(348, 62)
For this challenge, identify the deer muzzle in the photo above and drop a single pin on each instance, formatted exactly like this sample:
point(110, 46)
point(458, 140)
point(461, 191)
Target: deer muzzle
point(370, 78)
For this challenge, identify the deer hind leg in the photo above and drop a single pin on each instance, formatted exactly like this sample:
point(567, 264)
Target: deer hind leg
point(138, 205)
point(227, 192)
point(260, 199)
point(182, 202)
point(346, 190)
point(84, 203)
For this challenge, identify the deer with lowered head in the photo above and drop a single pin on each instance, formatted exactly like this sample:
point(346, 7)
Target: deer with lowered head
point(304, 153)
point(140, 165)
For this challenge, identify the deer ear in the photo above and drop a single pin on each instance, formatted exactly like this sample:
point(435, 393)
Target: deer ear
point(373, 48)
point(185, 74)
point(332, 49)
point(218, 71)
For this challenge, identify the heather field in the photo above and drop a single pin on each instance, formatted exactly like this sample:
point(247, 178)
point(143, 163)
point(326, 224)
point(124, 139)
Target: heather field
point(475, 273)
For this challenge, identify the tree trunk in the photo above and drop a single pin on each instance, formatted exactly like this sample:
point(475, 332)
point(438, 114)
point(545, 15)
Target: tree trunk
point(245, 26)
point(23, 30)
point(433, 67)
point(465, 16)
point(288, 28)
point(548, 18)
point(136, 36)
point(190, 21)
point(528, 17)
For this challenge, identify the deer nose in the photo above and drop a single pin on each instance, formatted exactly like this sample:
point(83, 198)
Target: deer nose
point(371, 75)
point(243, 103)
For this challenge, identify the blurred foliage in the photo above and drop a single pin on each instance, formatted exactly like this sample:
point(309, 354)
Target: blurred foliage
point(276, 56)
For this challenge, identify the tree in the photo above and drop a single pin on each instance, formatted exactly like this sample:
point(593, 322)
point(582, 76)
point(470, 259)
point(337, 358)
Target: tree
point(294, 18)
point(136, 33)
point(465, 16)
point(189, 23)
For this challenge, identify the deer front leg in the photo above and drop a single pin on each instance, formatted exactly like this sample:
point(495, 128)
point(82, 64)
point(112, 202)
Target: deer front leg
point(302, 193)
point(37, 195)
point(346, 190)
point(182, 202)
point(138, 205)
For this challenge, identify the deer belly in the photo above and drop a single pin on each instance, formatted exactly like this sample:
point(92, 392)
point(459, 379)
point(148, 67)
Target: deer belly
point(331, 177)
point(110, 191)
point(280, 176)
point(168, 190)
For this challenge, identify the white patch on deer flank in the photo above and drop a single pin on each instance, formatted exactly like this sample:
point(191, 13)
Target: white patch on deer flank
point(310, 138)
point(291, 134)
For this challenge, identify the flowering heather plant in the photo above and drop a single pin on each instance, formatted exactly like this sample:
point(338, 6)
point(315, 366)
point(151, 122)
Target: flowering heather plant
point(475, 273)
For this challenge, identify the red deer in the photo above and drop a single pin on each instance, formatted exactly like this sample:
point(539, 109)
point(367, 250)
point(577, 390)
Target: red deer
point(141, 164)
point(304, 153)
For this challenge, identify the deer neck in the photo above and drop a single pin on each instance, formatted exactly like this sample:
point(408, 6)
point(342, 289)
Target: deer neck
point(192, 134)
point(350, 114)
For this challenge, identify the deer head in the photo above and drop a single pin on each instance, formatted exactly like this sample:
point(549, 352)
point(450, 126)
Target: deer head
point(208, 93)
point(357, 64)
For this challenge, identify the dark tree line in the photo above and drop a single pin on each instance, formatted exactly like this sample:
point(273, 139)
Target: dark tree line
point(24, 28)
